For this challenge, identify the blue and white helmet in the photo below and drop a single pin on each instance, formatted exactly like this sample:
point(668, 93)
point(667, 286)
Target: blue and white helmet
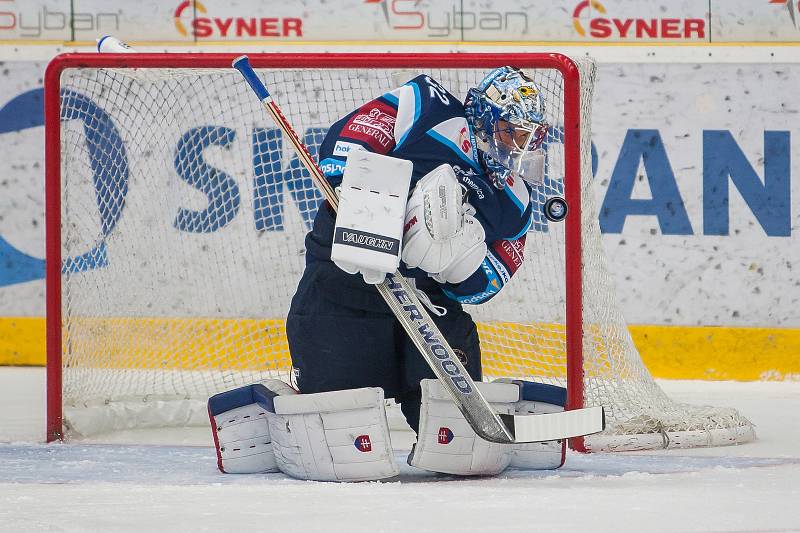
point(507, 114)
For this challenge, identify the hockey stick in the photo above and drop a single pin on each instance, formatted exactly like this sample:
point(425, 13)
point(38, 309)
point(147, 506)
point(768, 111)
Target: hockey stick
point(405, 305)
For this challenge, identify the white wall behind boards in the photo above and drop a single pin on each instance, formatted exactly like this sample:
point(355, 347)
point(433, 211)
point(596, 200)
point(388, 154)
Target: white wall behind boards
point(699, 208)
point(694, 175)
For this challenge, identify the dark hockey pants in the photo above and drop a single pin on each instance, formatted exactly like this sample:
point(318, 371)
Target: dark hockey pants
point(343, 336)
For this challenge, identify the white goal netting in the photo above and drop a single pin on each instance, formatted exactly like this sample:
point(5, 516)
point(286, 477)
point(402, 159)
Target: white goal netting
point(183, 213)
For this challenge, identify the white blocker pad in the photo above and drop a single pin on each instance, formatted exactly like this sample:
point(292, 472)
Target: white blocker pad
point(333, 436)
point(446, 443)
point(537, 399)
point(369, 222)
point(240, 428)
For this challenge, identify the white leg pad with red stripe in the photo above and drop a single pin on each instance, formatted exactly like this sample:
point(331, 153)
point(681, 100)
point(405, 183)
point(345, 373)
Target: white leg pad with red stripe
point(333, 436)
point(240, 428)
point(446, 443)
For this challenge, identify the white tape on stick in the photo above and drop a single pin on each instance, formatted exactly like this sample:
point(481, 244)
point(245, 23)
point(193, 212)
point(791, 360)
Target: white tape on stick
point(111, 45)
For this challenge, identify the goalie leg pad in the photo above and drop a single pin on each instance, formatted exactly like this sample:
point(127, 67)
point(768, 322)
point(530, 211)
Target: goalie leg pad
point(547, 455)
point(537, 399)
point(240, 428)
point(333, 436)
point(446, 443)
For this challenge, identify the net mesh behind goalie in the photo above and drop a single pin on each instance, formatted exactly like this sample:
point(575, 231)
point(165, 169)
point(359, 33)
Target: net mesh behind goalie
point(183, 213)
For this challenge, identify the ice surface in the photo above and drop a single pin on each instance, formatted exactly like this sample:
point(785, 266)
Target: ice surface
point(124, 487)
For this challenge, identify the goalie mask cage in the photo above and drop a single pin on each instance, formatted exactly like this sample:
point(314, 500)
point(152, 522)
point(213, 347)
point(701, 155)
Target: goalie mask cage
point(176, 214)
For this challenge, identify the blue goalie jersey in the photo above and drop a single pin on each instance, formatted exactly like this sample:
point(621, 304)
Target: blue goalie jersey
point(425, 124)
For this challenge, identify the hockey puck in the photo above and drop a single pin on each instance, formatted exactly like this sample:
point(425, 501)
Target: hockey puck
point(555, 209)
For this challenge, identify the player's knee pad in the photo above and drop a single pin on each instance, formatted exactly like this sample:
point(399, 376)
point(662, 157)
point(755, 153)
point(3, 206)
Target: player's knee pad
point(446, 443)
point(333, 436)
point(537, 399)
point(240, 428)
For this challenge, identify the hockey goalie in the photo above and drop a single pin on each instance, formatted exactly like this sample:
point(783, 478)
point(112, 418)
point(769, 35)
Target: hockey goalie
point(441, 190)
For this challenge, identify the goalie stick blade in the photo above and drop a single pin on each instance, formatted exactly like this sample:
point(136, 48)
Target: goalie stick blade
point(556, 426)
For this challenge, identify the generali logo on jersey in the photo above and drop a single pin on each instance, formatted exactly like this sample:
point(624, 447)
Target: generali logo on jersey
point(373, 124)
point(512, 252)
point(190, 19)
point(591, 19)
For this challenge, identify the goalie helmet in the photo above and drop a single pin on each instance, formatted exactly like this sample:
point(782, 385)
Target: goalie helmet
point(506, 112)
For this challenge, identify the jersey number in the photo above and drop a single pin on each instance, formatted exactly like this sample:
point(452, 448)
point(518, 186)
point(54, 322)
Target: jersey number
point(437, 91)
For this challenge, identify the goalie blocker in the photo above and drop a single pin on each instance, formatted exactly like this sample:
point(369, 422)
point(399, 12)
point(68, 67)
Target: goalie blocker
point(344, 435)
point(369, 223)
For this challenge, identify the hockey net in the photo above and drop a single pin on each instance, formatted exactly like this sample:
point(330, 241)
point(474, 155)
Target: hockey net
point(176, 217)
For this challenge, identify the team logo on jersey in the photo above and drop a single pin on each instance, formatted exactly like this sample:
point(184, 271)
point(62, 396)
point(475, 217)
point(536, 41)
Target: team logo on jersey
point(363, 444)
point(445, 435)
point(464, 142)
point(374, 125)
point(512, 253)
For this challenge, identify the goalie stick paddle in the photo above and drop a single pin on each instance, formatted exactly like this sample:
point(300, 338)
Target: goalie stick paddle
point(426, 336)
